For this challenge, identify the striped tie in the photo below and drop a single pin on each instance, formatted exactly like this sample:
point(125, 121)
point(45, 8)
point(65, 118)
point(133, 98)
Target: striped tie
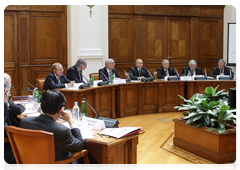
point(59, 82)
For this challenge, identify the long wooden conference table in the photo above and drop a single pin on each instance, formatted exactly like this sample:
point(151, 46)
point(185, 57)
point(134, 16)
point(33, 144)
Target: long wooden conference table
point(136, 98)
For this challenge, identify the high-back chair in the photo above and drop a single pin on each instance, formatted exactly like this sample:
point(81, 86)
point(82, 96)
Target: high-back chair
point(155, 75)
point(40, 82)
point(95, 76)
point(37, 147)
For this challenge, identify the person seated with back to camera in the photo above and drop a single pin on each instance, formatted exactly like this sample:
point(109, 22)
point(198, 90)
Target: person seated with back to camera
point(165, 70)
point(8, 121)
point(74, 73)
point(66, 140)
point(192, 67)
point(138, 71)
point(56, 78)
point(108, 70)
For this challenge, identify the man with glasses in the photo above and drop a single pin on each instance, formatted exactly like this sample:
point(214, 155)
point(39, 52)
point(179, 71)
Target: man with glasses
point(165, 70)
point(74, 73)
point(194, 70)
point(221, 69)
point(108, 70)
point(56, 78)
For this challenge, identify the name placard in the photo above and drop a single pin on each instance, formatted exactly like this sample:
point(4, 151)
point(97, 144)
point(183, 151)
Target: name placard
point(93, 123)
point(36, 106)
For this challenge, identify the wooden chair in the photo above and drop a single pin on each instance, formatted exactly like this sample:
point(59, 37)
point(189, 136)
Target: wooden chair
point(155, 75)
point(40, 82)
point(95, 76)
point(37, 147)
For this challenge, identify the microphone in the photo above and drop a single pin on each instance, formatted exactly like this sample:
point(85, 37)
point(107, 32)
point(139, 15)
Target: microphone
point(109, 123)
point(150, 74)
point(127, 74)
point(104, 75)
point(33, 87)
point(177, 73)
point(85, 86)
point(103, 83)
point(29, 90)
point(230, 74)
point(205, 72)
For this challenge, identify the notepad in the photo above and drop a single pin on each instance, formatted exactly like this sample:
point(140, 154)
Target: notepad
point(121, 132)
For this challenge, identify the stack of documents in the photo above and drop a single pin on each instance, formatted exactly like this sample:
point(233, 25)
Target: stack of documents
point(121, 132)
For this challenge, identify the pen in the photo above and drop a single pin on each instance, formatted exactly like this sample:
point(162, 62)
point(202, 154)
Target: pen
point(99, 134)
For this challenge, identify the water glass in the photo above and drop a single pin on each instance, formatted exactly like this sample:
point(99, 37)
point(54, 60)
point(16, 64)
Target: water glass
point(30, 99)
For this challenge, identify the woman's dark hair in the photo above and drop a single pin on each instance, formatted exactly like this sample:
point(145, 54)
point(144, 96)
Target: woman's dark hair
point(52, 100)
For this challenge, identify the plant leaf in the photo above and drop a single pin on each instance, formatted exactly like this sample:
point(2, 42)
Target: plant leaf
point(222, 125)
point(207, 119)
point(211, 129)
point(197, 118)
point(220, 130)
point(198, 125)
point(224, 108)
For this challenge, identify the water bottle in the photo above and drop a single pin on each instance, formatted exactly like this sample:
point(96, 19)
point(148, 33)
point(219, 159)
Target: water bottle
point(114, 76)
point(36, 95)
point(83, 110)
point(189, 73)
point(76, 113)
point(111, 77)
point(91, 80)
point(185, 72)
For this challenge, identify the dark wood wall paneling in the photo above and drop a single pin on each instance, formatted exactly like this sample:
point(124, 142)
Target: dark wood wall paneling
point(156, 32)
point(35, 37)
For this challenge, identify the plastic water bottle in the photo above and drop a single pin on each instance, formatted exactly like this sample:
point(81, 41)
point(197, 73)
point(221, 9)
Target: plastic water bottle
point(76, 113)
point(111, 78)
point(36, 95)
point(189, 73)
point(83, 110)
point(91, 80)
point(114, 76)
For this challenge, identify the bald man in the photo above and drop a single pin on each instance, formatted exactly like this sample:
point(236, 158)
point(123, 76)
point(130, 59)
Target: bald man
point(138, 71)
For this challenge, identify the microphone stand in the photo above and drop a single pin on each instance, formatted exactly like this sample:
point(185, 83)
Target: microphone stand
point(103, 83)
point(85, 86)
point(129, 79)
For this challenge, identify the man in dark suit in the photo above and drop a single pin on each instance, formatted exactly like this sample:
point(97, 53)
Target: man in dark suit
point(165, 70)
point(8, 153)
point(74, 73)
point(192, 67)
point(138, 71)
point(108, 70)
point(66, 140)
point(221, 69)
point(14, 109)
point(56, 78)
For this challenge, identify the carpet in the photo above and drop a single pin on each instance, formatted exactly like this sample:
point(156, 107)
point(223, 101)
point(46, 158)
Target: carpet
point(168, 146)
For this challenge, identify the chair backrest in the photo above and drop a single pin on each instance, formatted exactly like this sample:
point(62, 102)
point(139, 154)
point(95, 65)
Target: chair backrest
point(40, 82)
point(95, 76)
point(31, 146)
point(155, 75)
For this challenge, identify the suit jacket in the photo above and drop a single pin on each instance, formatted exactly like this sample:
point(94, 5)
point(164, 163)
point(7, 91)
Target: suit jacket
point(51, 82)
point(73, 74)
point(104, 70)
point(133, 73)
point(161, 72)
point(66, 140)
point(198, 70)
point(216, 72)
point(14, 110)
point(8, 153)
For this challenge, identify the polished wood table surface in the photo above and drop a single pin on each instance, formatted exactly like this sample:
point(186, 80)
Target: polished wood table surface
point(136, 98)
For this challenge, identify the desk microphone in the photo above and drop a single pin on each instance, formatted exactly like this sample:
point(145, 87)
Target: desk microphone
point(150, 74)
point(85, 86)
point(103, 83)
point(177, 73)
point(109, 123)
point(33, 87)
point(129, 79)
point(29, 90)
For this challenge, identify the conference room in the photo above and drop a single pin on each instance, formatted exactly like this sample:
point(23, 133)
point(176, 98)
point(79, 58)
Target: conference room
point(37, 36)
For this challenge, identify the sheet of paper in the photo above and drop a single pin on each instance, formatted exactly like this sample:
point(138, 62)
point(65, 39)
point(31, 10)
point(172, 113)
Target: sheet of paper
point(33, 114)
point(119, 132)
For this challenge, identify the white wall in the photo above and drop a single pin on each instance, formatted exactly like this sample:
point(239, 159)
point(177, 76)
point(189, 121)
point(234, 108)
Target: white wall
point(229, 16)
point(88, 36)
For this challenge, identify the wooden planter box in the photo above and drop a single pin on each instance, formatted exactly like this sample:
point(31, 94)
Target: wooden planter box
point(219, 148)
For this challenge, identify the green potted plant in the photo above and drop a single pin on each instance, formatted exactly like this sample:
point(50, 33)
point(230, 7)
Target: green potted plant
point(206, 127)
point(209, 109)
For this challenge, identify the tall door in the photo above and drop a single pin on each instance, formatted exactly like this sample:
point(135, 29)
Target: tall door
point(35, 37)
point(10, 49)
point(178, 41)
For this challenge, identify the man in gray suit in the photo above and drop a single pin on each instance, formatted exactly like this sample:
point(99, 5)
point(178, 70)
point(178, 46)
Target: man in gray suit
point(66, 140)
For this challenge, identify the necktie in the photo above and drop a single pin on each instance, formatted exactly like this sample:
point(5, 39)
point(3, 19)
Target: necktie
point(139, 73)
point(221, 71)
point(166, 72)
point(80, 75)
point(59, 82)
